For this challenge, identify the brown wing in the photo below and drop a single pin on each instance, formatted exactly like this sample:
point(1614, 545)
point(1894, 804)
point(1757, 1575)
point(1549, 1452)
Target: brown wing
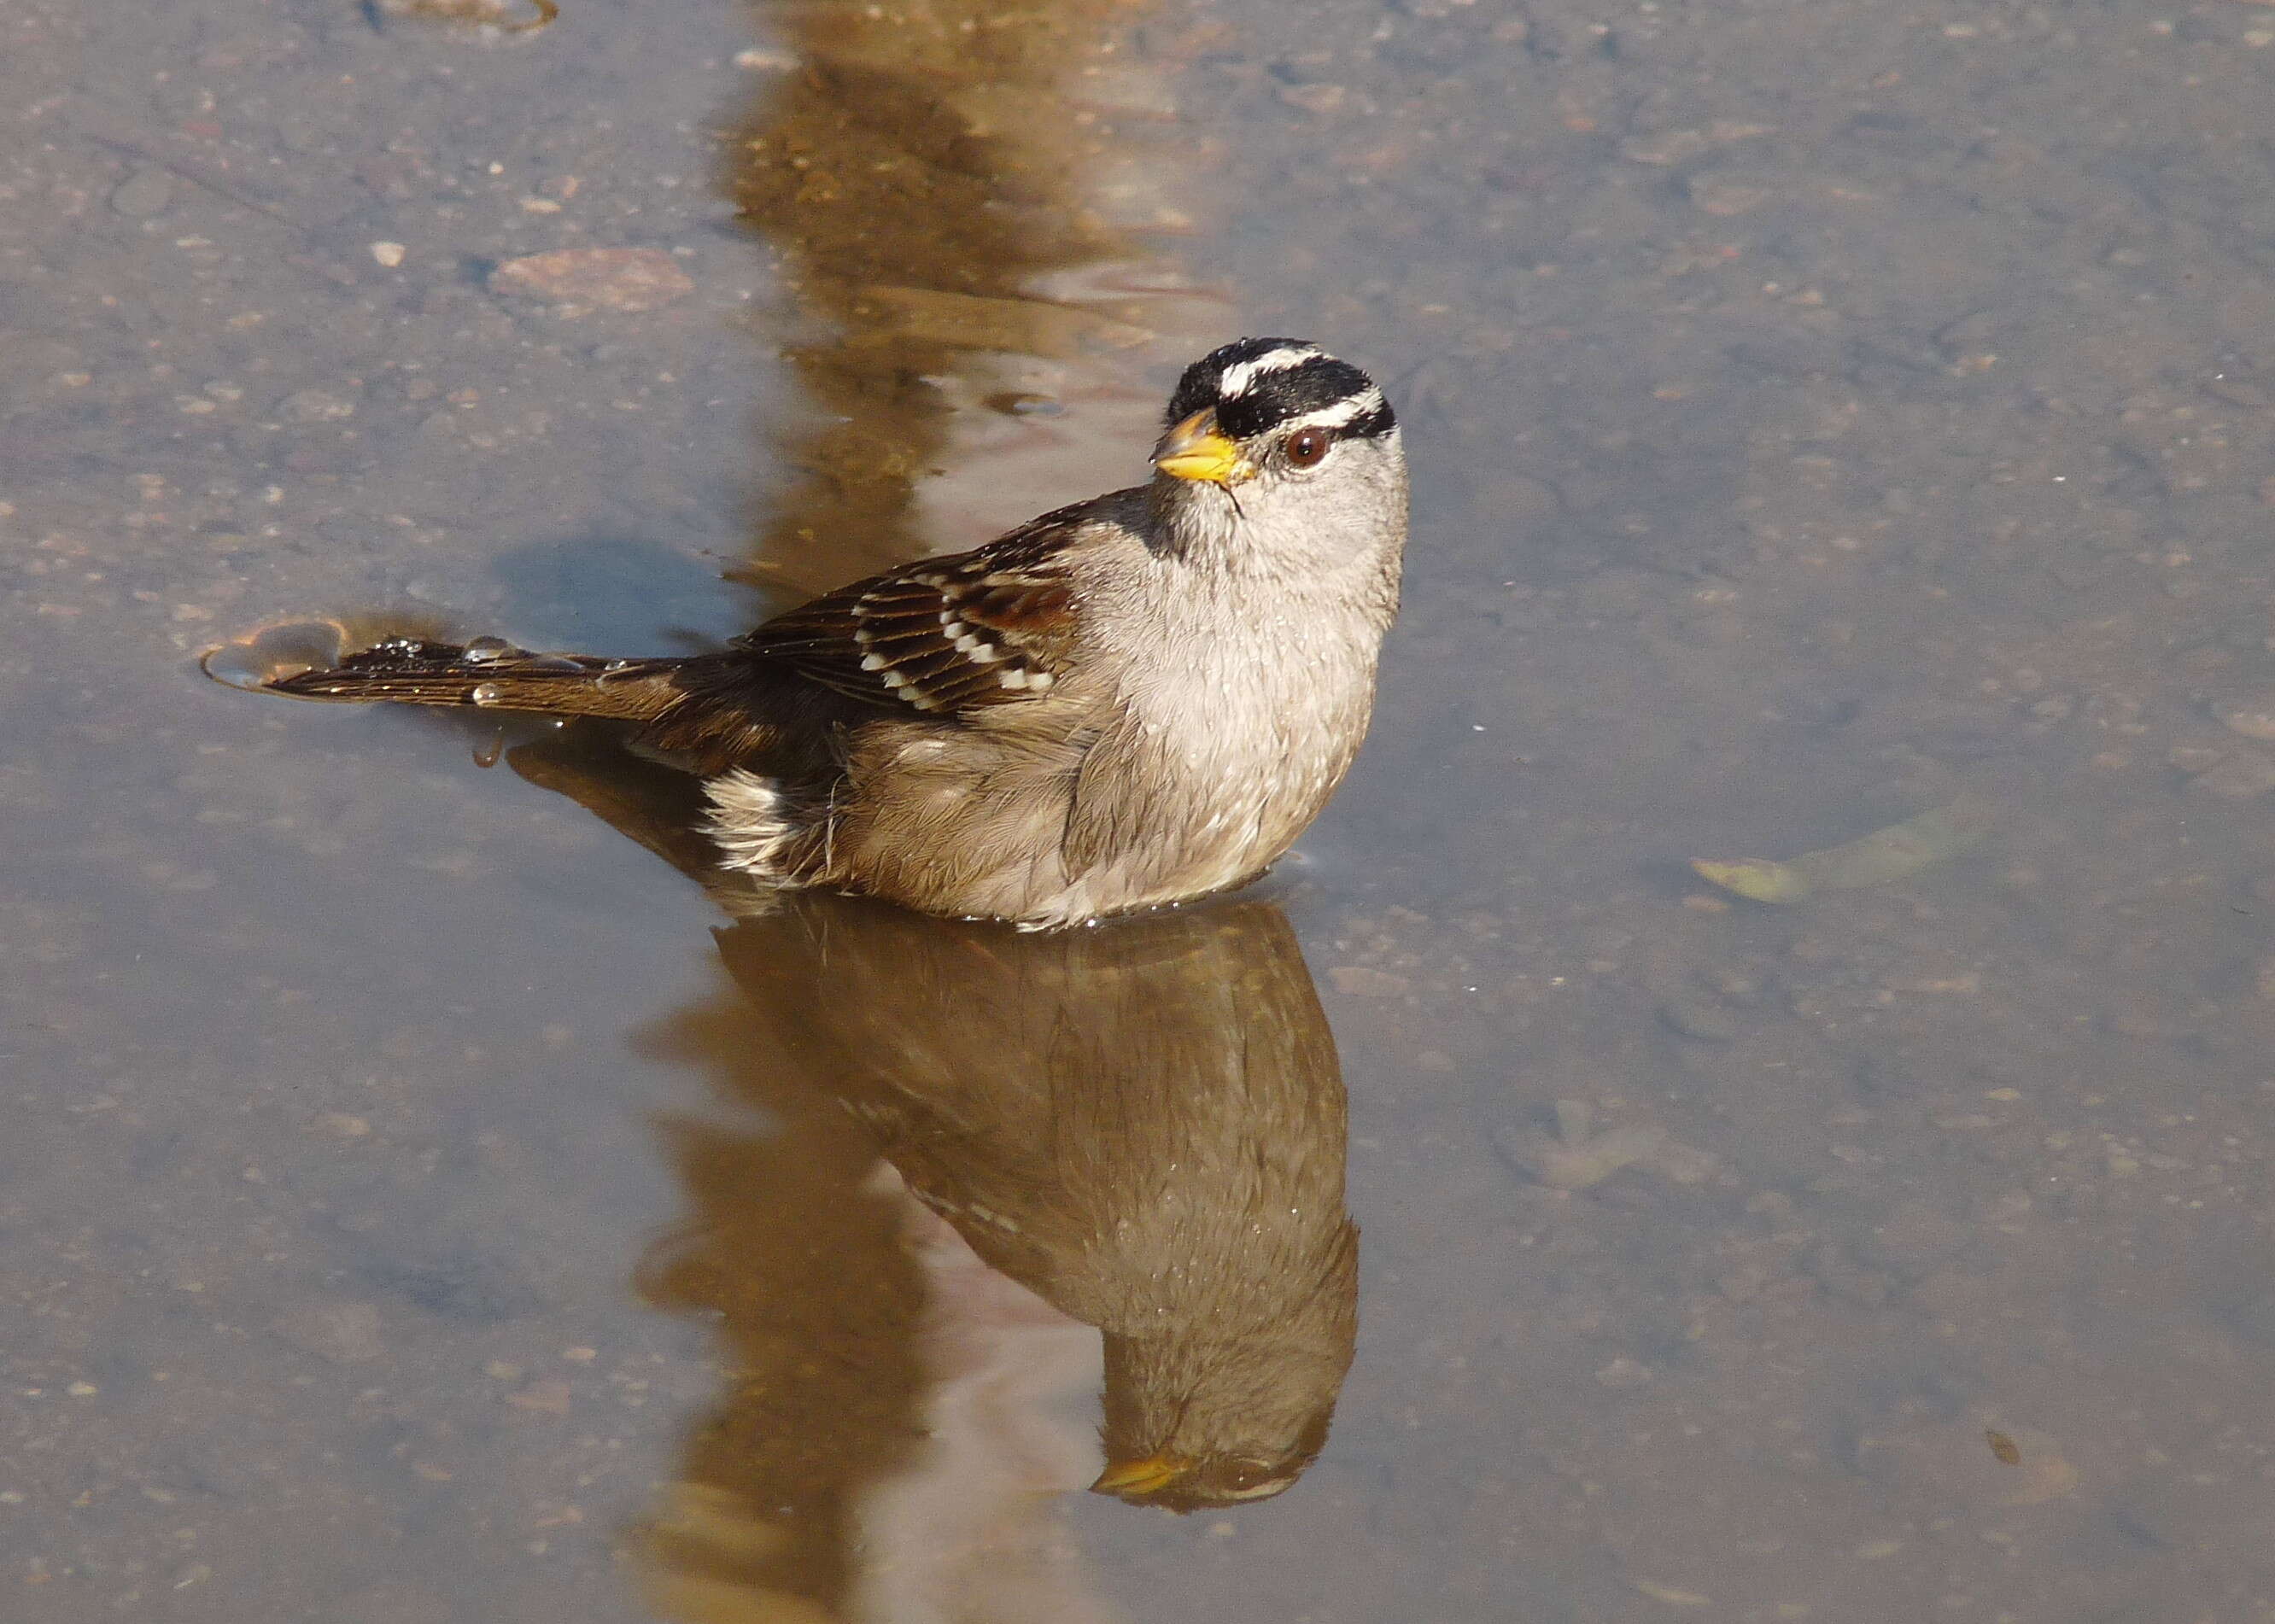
point(948, 634)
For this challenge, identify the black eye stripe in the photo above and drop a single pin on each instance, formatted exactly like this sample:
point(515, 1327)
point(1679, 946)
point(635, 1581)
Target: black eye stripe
point(1380, 420)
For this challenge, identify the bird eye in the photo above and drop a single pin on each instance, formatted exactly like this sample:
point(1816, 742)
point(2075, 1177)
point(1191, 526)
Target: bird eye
point(1307, 446)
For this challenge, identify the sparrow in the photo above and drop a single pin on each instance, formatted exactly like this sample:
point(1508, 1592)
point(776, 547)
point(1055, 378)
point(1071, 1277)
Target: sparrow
point(1133, 701)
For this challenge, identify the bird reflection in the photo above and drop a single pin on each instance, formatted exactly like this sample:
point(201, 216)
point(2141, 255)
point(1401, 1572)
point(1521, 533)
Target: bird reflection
point(1143, 1124)
point(971, 199)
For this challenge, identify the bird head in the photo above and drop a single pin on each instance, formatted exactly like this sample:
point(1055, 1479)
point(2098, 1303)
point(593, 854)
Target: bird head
point(1234, 1405)
point(1210, 1477)
point(1272, 446)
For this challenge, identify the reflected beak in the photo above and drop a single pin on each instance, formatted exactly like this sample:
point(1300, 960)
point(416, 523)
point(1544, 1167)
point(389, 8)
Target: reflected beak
point(1194, 450)
point(1143, 1477)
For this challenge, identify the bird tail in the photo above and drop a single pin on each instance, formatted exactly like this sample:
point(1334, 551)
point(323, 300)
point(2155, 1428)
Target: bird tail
point(494, 677)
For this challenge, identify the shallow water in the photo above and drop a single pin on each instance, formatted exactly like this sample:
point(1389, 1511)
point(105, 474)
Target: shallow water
point(417, 1202)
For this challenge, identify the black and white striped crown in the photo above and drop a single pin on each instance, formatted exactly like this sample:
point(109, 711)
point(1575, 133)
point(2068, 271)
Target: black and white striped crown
point(1260, 385)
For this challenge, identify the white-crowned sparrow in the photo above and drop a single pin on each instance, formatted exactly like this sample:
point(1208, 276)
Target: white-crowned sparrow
point(1135, 701)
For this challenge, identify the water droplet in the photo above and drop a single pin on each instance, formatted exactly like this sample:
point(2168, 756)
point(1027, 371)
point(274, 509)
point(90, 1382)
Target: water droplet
point(615, 666)
point(488, 755)
point(482, 651)
point(487, 693)
point(274, 652)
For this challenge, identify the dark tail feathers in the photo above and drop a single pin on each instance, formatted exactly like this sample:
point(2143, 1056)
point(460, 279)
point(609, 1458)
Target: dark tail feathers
point(489, 673)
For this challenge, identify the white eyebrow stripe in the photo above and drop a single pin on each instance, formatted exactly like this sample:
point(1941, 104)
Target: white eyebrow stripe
point(1236, 378)
point(1336, 413)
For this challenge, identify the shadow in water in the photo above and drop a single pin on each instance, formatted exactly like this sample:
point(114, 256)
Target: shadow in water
point(977, 1136)
point(970, 201)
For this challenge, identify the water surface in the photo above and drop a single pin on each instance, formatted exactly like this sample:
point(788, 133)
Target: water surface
point(1820, 414)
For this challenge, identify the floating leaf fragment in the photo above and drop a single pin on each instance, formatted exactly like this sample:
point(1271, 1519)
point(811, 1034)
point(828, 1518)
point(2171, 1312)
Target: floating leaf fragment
point(2003, 1448)
point(1672, 1595)
point(1588, 1163)
point(1896, 852)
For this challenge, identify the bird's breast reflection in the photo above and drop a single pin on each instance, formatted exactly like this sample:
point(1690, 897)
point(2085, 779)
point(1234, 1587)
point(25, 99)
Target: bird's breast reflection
point(1142, 1123)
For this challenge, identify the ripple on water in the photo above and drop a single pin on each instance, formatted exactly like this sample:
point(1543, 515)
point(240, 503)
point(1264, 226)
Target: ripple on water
point(274, 652)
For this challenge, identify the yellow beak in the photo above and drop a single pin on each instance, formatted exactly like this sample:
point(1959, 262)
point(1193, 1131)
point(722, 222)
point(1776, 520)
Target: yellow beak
point(1143, 1476)
point(1194, 450)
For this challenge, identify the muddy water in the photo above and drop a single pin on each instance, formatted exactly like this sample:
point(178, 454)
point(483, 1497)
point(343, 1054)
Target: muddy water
point(419, 1202)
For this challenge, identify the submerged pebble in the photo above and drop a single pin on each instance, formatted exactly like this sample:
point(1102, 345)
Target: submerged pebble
point(2237, 776)
point(2254, 718)
point(500, 16)
point(578, 279)
point(343, 1332)
point(1695, 1017)
point(142, 194)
